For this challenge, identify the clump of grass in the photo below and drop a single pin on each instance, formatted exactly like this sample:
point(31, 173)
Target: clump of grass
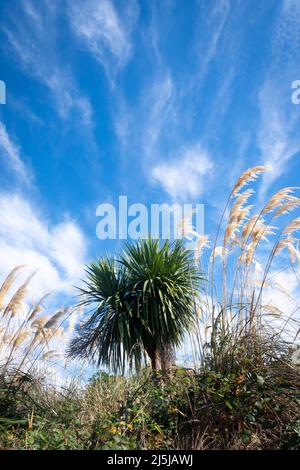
point(244, 266)
point(28, 336)
point(31, 342)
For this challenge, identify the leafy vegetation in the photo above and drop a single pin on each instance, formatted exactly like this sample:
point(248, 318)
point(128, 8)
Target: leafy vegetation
point(243, 389)
point(190, 410)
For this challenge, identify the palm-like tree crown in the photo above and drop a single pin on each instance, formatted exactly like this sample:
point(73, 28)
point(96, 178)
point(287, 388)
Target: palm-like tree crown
point(142, 303)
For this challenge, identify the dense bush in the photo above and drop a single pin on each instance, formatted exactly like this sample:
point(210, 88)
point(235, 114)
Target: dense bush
point(184, 410)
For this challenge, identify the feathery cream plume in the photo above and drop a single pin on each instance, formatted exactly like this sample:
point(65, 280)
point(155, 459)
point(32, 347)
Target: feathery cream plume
point(272, 310)
point(237, 215)
point(201, 244)
point(248, 226)
point(39, 323)
point(287, 207)
point(292, 227)
point(54, 319)
point(279, 198)
point(16, 301)
point(37, 308)
point(185, 227)
point(249, 175)
point(8, 282)
point(21, 337)
point(219, 251)
point(282, 289)
point(51, 354)
point(294, 254)
point(282, 244)
point(261, 231)
point(257, 230)
point(259, 283)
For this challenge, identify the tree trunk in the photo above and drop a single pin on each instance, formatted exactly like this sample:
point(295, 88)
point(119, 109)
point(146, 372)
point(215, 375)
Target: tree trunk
point(162, 358)
point(155, 359)
point(167, 355)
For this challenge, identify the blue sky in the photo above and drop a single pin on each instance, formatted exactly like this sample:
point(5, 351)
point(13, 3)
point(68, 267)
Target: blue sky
point(162, 101)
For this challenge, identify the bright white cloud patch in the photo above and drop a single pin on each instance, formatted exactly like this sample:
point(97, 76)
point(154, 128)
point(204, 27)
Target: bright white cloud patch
point(184, 176)
point(58, 252)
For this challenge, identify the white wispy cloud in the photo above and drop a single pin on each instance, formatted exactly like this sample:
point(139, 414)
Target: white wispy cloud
point(286, 38)
point(57, 251)
point(214, 23)
point(11, 156)
point(103, 31)
point(142, 127)
point(278, 129)
point(156, 124)
point(186, 175)
point(275, 135)
point(32, 37)
point(159, 106)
